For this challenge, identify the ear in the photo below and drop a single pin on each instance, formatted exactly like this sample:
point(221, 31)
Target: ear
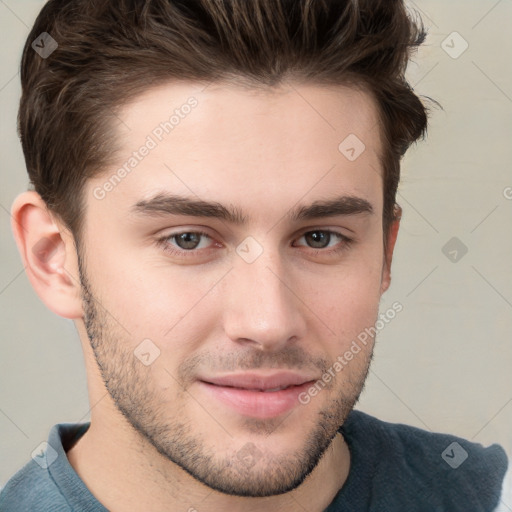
point(392, 235)
point(48, 253)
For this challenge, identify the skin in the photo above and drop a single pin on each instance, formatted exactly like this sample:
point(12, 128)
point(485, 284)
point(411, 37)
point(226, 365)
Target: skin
point(170, 445)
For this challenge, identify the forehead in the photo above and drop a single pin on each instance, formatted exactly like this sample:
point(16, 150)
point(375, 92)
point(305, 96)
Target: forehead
point(272, 114)
point(224, 141)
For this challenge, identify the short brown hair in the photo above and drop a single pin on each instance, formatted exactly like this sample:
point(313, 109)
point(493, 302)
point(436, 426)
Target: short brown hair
point(109, 51)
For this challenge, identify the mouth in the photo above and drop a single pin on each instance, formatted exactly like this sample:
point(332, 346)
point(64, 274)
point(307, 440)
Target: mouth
point(260, 382)
point(262, 390)
point(257, 395)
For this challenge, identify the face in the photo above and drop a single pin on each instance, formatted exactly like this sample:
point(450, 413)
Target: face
point(213, 314)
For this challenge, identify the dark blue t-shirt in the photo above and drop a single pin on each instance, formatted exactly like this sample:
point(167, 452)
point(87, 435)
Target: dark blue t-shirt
point(394, 468)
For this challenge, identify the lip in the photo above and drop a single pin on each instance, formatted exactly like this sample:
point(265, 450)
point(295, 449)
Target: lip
point(250, 394)
point(260, 381)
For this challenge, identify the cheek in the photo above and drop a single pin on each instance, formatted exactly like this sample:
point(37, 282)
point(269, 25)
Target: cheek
point(350, 313)
point(163, 306)
point(346, 300)
point(155, 301)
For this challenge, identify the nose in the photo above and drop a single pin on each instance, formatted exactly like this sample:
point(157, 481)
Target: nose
point(262, 306)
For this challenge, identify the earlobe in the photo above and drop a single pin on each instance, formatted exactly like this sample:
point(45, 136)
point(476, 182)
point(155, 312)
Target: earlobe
point(390, 246)
point(48, 254)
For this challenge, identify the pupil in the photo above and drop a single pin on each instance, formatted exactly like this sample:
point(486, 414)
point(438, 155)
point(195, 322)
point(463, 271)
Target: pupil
point(318, 239)
point(188, 240)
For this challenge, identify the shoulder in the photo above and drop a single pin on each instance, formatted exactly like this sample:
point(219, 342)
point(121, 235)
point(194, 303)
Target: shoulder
point(405, 438)
point(423, 466)
point(32, 488)
point(47, 482)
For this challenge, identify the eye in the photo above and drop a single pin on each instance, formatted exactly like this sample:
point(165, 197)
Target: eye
point(324, 239)
point(189, 240)
point(185, 243)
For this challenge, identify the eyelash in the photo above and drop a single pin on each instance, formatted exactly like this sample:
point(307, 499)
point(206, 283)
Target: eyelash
point(167, 247)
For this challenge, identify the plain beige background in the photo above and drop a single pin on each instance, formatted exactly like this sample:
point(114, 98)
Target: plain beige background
point(444, 363)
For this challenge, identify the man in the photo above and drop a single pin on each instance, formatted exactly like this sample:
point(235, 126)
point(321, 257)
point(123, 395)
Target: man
point(214, 207)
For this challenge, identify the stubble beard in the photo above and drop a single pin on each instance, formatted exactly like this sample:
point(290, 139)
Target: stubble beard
point(133, 393)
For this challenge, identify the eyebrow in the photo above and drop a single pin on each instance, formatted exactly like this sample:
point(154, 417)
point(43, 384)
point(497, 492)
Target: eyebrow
point(166, 204)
